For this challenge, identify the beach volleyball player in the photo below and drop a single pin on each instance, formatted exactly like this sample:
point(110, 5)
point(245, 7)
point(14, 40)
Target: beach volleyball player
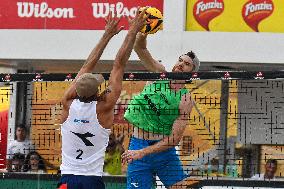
point(159, 115)
point(87, 117)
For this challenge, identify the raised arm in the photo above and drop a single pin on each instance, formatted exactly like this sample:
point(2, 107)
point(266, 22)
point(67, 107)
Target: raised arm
point(116, 76)
point(111, 29)
point(145, 56)
point(172, 140)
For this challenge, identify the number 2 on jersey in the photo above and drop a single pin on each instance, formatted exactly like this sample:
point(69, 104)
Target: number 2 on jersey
point(84, 137)
point(80, 154)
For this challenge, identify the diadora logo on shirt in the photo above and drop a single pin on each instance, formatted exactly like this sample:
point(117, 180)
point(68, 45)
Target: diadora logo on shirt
point(81, 121)
point(135, 184)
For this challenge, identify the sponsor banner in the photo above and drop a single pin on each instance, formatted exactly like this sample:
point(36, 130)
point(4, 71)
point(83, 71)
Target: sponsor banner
point(4, 112)
point(3, 137)
point(67, 14)
point(235, 15)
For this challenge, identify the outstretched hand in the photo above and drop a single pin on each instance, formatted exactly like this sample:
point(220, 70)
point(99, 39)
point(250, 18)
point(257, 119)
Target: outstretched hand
point(139, 21)
point(112, 22)
point(130, 155)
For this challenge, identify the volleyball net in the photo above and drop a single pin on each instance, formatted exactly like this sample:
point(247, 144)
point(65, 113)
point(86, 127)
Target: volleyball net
point(235, 126)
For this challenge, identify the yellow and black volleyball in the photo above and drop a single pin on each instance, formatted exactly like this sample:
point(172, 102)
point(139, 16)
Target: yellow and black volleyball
point(156, 18)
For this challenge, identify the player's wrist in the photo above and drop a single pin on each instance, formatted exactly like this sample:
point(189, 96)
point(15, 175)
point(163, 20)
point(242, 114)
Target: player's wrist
point(143, 152)
point(140, 42)
point(132, 31)
point(107, 35)
point(141, 36)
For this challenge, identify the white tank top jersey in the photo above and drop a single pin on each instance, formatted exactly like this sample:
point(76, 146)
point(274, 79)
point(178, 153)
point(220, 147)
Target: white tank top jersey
point(84, 141)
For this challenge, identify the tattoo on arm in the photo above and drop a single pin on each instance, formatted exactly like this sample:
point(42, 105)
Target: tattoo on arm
point(102, 97)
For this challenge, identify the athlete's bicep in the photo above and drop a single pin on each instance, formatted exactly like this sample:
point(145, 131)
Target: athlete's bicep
point(178, 130)
point(183, 119)
point(65, 110)
point(185, 106)
point(64, 115)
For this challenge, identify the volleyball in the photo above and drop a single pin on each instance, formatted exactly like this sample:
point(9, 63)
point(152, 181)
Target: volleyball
point(156, 18)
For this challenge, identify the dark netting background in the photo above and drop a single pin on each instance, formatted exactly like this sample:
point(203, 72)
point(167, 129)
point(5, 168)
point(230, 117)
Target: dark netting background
point(236, 124)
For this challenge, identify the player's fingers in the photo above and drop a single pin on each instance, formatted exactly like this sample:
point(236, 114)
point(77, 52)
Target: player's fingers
point(124, 155)
point(114, 13)
point(129, 19)
point(121, 28)
point(109, 16)
point(138, 11)
point(143, 12)
point(129, 160)
point(106, 20)
point(148, 21)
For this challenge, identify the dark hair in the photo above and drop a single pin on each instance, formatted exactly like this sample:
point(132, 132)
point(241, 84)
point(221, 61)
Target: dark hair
point(273, 161)
point(18, 156)
point(27, 166)
point(191, 55)
point(22, 126)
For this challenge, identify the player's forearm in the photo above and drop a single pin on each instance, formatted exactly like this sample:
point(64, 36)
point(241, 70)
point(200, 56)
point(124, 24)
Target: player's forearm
point(140, 47)
point(140, 42)
point(120, 61)
point(97, 52)
point(149, 62)
point(168, 142)
point(163, 145)
point(125, 49)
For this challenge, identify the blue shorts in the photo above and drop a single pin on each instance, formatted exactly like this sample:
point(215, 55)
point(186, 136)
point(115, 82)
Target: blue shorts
point(82, 182)
point(166, 165)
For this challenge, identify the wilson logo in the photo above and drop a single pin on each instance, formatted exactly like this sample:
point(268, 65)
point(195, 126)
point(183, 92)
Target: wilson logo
point(254, 11)
point(29, 9)
point(206, 10)
point(101, 10)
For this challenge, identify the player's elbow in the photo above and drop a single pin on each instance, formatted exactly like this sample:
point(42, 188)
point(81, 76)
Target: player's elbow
point(64, 101)
point(174, 141)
